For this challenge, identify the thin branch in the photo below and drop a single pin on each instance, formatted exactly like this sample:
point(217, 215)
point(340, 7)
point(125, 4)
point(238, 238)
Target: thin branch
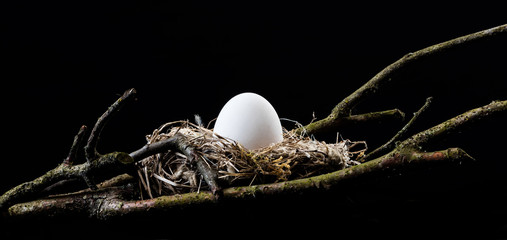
point(180, 143)
point(210, 176)
point(385, 76)
point(388, 115)
point(91, 147)
point(454, 124)
point(117, 201)
point(331, 125)
point(154, 148)
point(97, 167)
point(389, 145)
point(75, 146)
point(105, 167)
point(101, 167)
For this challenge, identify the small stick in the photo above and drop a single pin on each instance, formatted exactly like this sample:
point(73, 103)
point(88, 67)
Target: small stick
point(389, 145)
point(454, 124)
point(91, 147)
point(99, 166)
point(380, 80)
point(75, 147)
point(154, 148)
point(210, 176)
point(179, 143)
point(332, 124)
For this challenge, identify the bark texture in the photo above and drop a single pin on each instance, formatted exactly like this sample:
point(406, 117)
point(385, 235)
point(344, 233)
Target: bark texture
point(115, 198)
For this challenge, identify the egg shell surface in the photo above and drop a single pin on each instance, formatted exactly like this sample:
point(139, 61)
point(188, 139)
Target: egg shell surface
point(250, 120)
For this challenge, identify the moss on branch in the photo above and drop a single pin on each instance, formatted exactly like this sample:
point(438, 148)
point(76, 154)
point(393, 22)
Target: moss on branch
point(117, 201)
point(104, 205)
point(106, 166)
point(330, 124)
point(454, 124)
point(380, 80)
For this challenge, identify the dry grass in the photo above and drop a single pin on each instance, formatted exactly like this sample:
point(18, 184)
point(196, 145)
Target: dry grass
point(297, 156)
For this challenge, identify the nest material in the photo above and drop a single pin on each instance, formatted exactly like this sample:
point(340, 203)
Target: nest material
point(297, 156)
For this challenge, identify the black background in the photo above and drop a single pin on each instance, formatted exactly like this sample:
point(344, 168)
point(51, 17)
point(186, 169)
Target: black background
point(65, 62)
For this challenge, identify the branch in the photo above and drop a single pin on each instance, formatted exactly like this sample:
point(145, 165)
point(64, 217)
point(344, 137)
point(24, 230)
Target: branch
point(117, 201)
point(103, 205)
point(391, 143)
point(107, 166)
point(97, 167)
point(102, 167)
point(75, 146)
point(455, 124)
point(91, 147)
point(407, 154)
point(331, 125)
point(380, 80)
point(154, 148)
point(181, 144)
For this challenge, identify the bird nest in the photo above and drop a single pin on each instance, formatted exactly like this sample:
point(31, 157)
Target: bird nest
point(297, 156)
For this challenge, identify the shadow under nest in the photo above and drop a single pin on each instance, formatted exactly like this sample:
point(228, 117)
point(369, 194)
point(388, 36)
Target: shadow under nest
point(297, 156)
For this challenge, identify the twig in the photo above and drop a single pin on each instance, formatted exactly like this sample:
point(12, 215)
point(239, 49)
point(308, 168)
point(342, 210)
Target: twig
point(91, 147)
point(454, 124)
point(209, 174)
point(180, 143)
point(381, 116)
point(385, 76)
point(389, 145)
point(97, 167)
point(101, 167)
point(156, 147)
point(111, 202)
point(388, 115)
point(75, 146)
point(107, 166)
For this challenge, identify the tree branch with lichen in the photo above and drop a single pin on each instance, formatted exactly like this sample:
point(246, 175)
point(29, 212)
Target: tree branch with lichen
point(117, 198)
point(389, 145)
point(380, 80)
point(97, 167)
point(111, 202)
point(100, 167)
point(407, 154)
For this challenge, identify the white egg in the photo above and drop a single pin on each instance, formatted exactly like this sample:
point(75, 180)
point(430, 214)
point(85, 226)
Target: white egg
point(250, 120)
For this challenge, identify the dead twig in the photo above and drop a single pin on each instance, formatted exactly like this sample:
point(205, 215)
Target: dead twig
point(375, 84)
point(389, 145)
point(97, 167)
point(75, 146)
point(120, 201)
point(91, 146)
point(457, 123)
point(180, 143)
point(100, 167)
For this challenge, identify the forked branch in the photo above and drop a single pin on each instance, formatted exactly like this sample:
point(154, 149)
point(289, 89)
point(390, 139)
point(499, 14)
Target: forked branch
point(96, 168)
point(91, 146)
point(405, 155)
point(389, 145)
point(375, 84)
point(112, 201)
point(105, 205)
